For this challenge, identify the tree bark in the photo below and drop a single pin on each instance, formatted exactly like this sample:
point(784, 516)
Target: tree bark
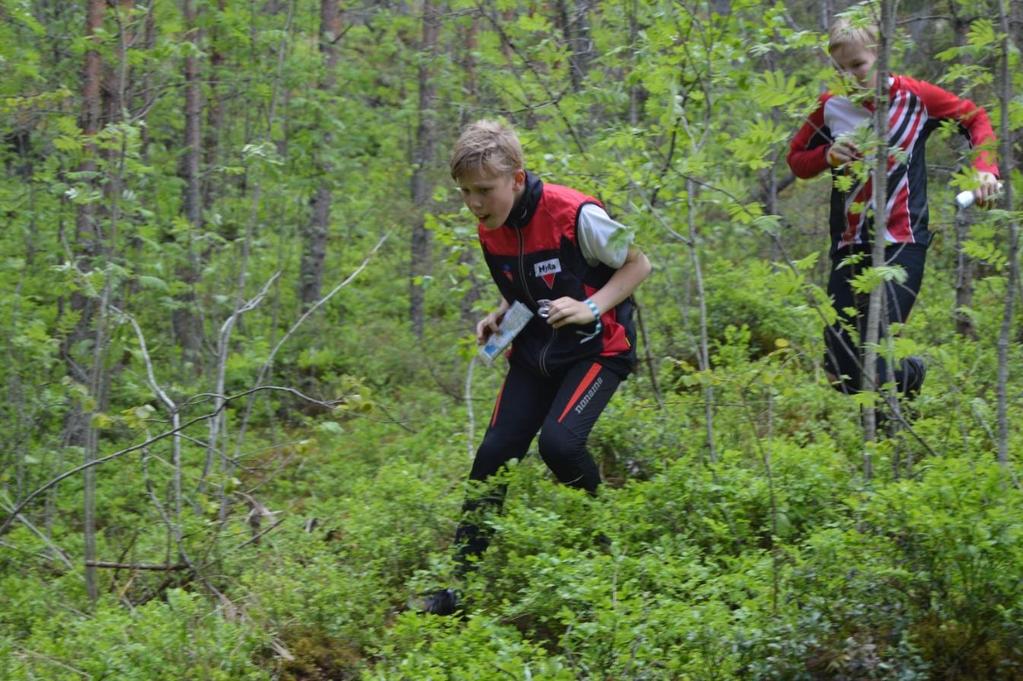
point(422, 154)
point(214, 113)
point(87, 240)
point(192, 199)
point(1006, 166)
point(637, 94)
point(871, 382)
point(469, 44)
point(965, 269)
point(314, 236)
point(185, 319)
point(573, 15)
point(827, 12)
point(963, 278)
point(703, 354)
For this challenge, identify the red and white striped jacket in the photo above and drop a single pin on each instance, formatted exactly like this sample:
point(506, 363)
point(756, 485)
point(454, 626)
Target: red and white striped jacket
point(916, 109)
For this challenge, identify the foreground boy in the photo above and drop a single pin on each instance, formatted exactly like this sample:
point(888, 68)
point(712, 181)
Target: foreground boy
point(556, 251)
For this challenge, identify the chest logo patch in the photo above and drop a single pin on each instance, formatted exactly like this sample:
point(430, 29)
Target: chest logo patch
point(547, 270)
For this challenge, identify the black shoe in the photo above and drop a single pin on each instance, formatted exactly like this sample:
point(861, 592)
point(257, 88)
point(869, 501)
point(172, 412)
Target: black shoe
point(443, 602)
point(914, 371)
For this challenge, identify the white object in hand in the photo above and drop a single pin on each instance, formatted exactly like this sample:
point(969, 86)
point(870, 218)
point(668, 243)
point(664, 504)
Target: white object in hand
point(968, 198)
point(515, 319)
point(965, 199)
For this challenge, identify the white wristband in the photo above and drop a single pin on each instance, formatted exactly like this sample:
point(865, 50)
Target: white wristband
point(596, 316)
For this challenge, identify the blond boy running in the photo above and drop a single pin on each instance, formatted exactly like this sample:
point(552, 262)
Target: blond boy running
point(557, 251)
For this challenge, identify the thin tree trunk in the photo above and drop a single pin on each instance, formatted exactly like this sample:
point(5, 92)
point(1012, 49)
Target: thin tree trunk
point(574, 18)
point(965, 269)
point(214, 112)
point(185, 319)
point(146, 88)
point(114, 103)
point(192, 199)
point(870, 380)
point(314, 238)
point(467, 258)
point(648, 357)
point(118, 80)
point(703, 355)
point(963, 278)
point(636, 94)
point(470, 44)
point(425, 143)
point(1006, 166)
point(827, 12)
point(87, 239)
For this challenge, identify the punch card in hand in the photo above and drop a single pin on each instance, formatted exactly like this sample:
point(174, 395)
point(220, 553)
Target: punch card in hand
point(515, 319)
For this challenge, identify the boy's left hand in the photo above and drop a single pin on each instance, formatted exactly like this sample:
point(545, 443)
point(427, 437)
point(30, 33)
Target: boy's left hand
point(565, 311)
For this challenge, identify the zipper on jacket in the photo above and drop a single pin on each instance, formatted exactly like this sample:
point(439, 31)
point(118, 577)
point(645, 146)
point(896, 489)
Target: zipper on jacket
point(543, 353)
point(541, 360)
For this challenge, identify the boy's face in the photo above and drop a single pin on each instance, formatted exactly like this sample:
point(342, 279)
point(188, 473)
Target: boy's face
point(857, 62)
point(489, 196)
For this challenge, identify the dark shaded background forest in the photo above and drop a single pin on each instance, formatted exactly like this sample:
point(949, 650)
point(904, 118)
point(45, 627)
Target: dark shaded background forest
point(237, 291)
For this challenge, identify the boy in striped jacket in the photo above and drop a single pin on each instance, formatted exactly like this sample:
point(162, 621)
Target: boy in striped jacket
point(825, 142)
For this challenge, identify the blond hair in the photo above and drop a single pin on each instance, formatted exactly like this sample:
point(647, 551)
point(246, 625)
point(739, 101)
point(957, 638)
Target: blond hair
point(486, 146)
point(845, 31)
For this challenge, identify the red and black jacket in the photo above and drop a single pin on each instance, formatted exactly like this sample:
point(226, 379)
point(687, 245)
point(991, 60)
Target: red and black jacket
point(535, 255)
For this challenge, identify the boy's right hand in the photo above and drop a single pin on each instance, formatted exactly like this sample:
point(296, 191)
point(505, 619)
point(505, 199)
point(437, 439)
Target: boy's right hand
point(989, 188)
point(842, 152)
point(487, 326)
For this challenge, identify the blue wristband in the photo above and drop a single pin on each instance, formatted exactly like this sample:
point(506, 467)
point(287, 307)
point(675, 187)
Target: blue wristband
point(596, 316)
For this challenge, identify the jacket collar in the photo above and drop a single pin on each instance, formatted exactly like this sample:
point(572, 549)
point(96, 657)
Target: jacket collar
point(523, 210)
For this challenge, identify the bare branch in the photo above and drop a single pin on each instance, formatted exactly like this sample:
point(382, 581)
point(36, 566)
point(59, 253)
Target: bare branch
point(255, 538)
point(263, 370)
point(59, 552)
point(224, 401)
point(223, 345)
point(136, 566)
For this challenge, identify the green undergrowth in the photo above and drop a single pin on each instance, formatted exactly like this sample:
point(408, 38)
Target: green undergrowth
point(774, 560)
point(763, 552)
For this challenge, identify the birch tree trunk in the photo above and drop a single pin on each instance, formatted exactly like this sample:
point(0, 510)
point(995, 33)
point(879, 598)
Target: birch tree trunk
point(703, 354)
point(871, 381)
point(1006, 166)
point(965, 266)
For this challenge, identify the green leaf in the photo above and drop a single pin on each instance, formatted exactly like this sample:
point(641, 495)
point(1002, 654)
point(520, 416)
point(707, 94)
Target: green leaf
point(330, 428)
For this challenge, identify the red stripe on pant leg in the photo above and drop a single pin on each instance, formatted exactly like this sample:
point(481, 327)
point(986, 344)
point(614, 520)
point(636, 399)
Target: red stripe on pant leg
point(583, 385)
point(497, 405)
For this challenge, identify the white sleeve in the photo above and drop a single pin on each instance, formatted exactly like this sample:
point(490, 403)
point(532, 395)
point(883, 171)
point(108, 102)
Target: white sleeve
point(597, 232)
